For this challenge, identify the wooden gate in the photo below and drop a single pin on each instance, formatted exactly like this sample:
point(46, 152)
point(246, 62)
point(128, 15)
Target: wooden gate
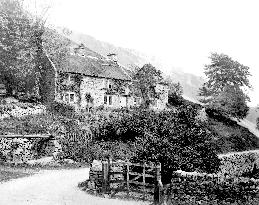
point(127, 177)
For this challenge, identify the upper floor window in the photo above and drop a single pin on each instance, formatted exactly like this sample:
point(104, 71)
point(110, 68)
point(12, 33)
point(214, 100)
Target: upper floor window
point(72, 97)
point(105, 99)
point(69, 97)
point(108, 100)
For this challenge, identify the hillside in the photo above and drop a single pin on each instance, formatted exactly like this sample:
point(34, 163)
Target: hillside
point(253, 115)
point(231, 135)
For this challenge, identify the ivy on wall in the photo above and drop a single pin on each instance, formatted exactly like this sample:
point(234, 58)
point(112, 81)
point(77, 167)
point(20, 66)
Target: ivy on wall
point(64, 85)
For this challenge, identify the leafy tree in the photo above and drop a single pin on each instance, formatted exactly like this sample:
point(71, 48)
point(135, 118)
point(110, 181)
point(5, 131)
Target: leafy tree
point(17, 46)
point(24, 44)
point(224, 89)
point(257, 123)
point(175, 94)
point(145, 80)
point(231, 101)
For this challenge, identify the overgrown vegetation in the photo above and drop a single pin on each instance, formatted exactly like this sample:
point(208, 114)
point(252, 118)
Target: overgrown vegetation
point(175, 139)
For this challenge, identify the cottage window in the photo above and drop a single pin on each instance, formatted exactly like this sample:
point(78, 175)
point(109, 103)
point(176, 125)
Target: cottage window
point(110, 100)
point(105, 99)
point(69, 97)
point(66, 97)
point(72, 97)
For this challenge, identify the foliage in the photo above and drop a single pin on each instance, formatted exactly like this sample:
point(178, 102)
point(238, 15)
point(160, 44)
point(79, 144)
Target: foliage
point(224, 71)
point(224, 89)
point(231, 101)
point(87, 150)
point(25, 43)
point(257, 123)
point(63, 109)
point(18, 45)
point(175, 94)
point(175, 139)
point(63, 85)
point(145, 81)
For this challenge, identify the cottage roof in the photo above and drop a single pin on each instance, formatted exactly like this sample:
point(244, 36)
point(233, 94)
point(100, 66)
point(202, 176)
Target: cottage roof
point(94, 66)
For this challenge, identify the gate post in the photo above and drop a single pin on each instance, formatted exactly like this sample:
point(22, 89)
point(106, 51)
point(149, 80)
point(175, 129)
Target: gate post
point(158, 191)
point(105, 176)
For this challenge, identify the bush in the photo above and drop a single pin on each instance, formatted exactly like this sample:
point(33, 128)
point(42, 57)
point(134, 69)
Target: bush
point(80, 147)
point(63, 109)
point(175, 139)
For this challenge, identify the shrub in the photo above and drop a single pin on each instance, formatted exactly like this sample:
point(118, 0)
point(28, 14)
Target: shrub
point(79, 146)
point(175, 139)
point(63, 109)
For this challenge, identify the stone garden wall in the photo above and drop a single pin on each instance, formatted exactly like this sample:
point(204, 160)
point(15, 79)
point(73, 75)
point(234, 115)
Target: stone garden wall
point(21, 150)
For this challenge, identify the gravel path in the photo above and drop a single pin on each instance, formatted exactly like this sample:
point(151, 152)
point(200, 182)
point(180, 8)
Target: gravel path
point(53, 187)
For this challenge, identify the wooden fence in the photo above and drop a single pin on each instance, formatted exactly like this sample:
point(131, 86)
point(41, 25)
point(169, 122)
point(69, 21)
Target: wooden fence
point(127, 177)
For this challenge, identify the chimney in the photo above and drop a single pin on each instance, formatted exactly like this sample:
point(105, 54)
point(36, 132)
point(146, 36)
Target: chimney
point(112, 57)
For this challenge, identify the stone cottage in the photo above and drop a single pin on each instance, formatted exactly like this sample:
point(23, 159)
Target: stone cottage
point(91, 80)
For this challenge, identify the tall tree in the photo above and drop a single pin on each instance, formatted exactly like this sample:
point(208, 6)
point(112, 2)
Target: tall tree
point(145, 79)
point(24, 44)
point(16, 45)
point(224, 89)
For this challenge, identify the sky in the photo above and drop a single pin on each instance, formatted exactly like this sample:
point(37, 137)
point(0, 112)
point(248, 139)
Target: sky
point(182, 33)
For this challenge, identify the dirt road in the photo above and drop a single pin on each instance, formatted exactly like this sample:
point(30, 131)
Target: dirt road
point(53, 187)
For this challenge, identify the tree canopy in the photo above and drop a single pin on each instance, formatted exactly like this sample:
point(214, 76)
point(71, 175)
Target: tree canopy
point(145, 80)
point(24, 43)
point(18, 46)
point(224, 89)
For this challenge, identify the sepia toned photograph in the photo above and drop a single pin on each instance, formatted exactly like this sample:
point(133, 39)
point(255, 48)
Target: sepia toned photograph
point(129, 102)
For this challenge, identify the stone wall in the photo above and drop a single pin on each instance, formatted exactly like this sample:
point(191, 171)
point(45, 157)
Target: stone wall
point(17, 111)
point(16, 150)
point(21, 150)
point(202, 188)
point(239, 163)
